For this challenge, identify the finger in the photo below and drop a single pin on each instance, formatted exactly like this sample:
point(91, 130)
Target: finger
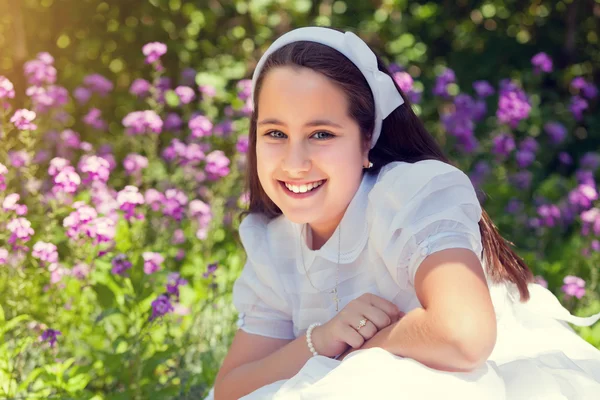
point(349, 335)
point(367, 331)
point(378, 317)
point(385, 305)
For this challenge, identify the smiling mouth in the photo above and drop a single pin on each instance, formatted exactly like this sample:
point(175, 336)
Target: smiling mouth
point(303, 188)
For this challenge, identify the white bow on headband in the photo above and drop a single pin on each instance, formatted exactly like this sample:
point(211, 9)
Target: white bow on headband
point(387, 98)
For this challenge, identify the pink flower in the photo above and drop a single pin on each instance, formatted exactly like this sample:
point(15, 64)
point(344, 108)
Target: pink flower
point(3, 256)
point(186, 94)
point(573, 286)
point(142, 122)
point(154, 199)
point(56, 165)
point(200, 126)
point(152, 262)
point(153, 51)
point(40, 71)
point(23, 120)
point(3, 173)
point(95, 169)
point(20, 228)
point(45, 251)
point(10, 202)
point(128, 199)
point(134, 163)
point(7, 90)
point(217, 165)
point(66, 181)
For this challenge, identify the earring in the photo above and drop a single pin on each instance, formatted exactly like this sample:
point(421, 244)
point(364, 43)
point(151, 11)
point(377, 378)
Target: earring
point(370, 165)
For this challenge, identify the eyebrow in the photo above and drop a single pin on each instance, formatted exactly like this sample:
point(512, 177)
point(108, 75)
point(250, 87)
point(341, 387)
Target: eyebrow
point(316, 122)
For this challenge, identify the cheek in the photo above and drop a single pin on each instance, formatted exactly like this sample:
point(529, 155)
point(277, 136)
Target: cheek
point(266, 161)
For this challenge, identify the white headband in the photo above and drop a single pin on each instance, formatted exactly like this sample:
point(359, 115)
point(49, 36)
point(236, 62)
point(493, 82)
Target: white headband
point(387, 98)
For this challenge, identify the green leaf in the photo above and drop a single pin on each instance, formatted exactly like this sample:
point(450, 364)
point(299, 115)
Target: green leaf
point(105, 296)
point(78, 382)
point(123, 236)
point(2, 317)
point(171, 98)
point(13, 323)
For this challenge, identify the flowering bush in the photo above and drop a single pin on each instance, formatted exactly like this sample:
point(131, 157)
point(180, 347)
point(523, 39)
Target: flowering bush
point(117, 243)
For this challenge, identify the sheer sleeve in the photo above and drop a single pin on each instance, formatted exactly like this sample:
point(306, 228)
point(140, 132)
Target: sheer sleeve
point(419, 209)
point(258, 293)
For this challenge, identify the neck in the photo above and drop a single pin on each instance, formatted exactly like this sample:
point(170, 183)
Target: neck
point(322, 232)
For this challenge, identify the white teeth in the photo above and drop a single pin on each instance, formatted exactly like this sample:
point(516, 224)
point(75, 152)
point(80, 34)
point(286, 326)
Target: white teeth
point(303, 188)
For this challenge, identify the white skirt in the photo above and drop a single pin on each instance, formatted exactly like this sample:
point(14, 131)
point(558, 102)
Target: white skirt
point(537, 356)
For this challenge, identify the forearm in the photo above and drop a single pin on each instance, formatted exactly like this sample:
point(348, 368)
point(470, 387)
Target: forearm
point(281, 364)
point(422, 337)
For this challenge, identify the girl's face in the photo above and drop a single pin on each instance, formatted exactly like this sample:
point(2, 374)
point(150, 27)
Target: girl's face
point(310, 153)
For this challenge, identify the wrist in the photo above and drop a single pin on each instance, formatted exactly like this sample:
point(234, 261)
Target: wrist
point(317, 342)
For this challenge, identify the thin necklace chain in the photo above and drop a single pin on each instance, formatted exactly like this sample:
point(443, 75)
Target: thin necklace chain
point(334, 292)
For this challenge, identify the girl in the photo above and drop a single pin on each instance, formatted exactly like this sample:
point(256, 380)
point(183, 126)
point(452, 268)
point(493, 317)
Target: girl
point(372, 270)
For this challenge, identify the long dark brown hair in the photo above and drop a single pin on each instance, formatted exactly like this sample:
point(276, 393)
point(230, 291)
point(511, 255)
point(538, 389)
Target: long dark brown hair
point(403, 138)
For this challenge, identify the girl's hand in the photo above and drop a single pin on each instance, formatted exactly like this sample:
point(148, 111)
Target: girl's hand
point(342, 331)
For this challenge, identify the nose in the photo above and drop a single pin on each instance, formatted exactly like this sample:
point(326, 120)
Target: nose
point(297, 160)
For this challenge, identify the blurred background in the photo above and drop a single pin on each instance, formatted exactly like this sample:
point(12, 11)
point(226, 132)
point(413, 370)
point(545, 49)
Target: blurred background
point(147, 103)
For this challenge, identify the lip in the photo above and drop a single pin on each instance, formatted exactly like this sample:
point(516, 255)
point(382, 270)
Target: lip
point(301, 195)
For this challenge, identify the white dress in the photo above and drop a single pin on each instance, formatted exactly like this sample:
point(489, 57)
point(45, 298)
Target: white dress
point(395, 220)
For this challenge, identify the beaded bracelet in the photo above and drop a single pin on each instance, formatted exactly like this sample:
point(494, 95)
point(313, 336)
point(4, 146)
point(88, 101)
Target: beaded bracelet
point(309, 339)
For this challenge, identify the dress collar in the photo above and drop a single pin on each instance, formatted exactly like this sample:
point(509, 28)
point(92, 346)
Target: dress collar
point(348, 239)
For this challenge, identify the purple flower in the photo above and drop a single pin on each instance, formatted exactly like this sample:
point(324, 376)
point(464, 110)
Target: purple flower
point(503, 144)
point(524, 158)
point(20, 228)
point(541, 62)
point(120, 264)
point(587, 89)
point(178, 237)
point(242, 144)
point(549, 215)
point(443, 80)
point(573, 286)
point(77, 222)
point(134, 163)
point(223, 128)
point(556, 131)
point(7, 90)
point(3, 256)
point(142, 122)
point(152, 262)
point(70, 138)
point(577, 106)
point(45, 98)
point(210, 270)
point(101, 230)
point(583, 196)
point(200, 126)
point(50, 336)
point(173, 122)
point(140, 87)
point(483, 88)
point(81, 270)
point(153, 51)
point(23, 120)
point(174, 204)
point(45, 251)
point(540, 281)
point(244, 88)
point(161, 306)
point(173, 282)
point(94, 119)
point(40, 71)
point(513, 105)
point(590, 161)
point(82, 94)
point(514, 206)
point(480, 172)
point(188, 76)
point(186, 94)
point(521, 180)
point(217, 165)
point(565, 158)
point(94, 169)
point(128, 199)
point(99, 84)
